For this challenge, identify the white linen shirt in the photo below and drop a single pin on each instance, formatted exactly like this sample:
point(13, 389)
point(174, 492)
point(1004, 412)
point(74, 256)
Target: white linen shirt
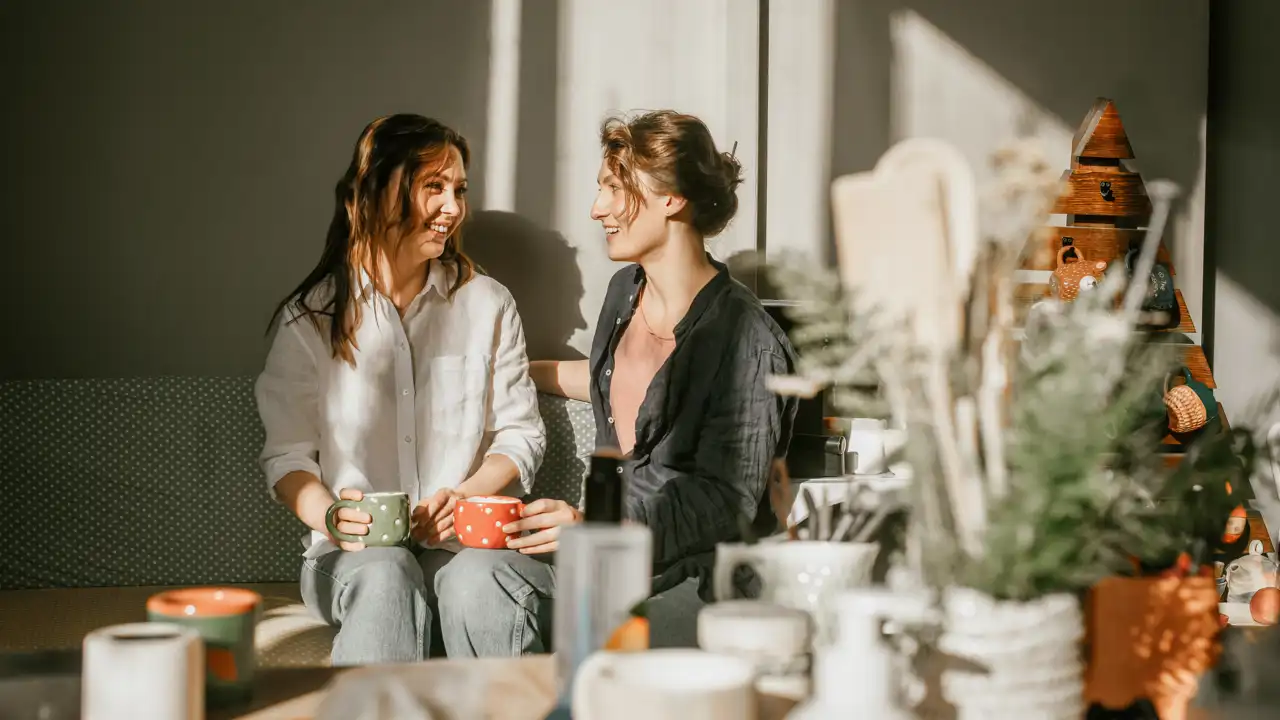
point(430, 396)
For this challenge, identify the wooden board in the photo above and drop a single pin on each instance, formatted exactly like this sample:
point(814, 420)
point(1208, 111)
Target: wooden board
point(1258, 530)
point(1026, 294)
point(1194, 358)
point(1101, 134)
point(1083, 195)
point(1108, 244)
point(1185, 324)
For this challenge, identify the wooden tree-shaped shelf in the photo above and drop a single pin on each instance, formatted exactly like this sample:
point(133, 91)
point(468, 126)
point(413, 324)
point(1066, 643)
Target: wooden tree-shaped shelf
point(1106, 205)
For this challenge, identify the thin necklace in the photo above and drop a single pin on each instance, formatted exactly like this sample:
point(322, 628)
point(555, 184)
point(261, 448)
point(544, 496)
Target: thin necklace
point(645, 319)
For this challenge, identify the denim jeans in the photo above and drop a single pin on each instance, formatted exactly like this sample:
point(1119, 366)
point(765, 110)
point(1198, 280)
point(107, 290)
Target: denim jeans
point(489, 603)
point(498, 603)
point(378, 600)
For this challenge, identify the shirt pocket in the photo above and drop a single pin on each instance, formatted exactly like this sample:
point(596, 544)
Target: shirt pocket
point(457, 388)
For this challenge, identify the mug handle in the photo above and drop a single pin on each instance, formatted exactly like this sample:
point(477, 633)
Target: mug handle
point(596, 666)
point(728, 559)
point(1062, 255)
point(331, 521)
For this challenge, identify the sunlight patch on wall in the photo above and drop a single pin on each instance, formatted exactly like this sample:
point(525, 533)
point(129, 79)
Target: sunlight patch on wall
point(696, 57)
point(942, 90)
point(1246, 362)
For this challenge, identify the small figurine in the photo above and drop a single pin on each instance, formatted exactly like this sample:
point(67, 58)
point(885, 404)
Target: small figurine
point(1072, 277)
point(1250, 573)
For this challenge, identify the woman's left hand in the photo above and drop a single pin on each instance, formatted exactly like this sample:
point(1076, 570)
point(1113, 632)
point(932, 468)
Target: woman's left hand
point(546, 516)
point(432, 519)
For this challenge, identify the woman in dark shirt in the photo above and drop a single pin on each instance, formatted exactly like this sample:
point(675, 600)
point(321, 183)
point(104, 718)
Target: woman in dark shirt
point(677, 380)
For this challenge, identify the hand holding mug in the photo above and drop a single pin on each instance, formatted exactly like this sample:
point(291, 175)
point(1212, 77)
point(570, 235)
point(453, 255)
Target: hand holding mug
point(433, 517)
point(348, 520)
point(357, 519)
point(546, 516)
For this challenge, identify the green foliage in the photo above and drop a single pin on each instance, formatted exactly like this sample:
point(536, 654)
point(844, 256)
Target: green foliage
point(1087, 489)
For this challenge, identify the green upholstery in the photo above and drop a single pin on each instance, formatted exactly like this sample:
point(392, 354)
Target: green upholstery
point(155, 481)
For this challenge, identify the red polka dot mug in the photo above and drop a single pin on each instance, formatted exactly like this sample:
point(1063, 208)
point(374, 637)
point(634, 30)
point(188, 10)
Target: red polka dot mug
point(478, 521)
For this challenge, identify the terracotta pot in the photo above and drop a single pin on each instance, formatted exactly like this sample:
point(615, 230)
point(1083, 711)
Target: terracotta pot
point(1150, 638)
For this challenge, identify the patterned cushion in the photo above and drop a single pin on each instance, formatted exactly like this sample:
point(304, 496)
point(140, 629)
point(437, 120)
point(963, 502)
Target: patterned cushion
point(155, 481)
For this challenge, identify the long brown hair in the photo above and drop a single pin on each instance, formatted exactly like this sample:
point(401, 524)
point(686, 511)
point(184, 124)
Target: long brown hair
point(361, 220)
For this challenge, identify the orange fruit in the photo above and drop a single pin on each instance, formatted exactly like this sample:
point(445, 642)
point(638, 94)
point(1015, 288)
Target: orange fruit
point(631, 635)
point(1265, 606)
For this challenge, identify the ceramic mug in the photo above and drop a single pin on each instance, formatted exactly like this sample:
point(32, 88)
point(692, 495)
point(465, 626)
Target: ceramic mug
point(668, 683)
point(226, 619)
point(390, 524)
point(479, 520)
point(865, 447)
point(776, 640)
point(801, 574)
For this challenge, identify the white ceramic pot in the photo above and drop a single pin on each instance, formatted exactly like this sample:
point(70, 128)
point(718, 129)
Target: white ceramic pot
point(1013, 659)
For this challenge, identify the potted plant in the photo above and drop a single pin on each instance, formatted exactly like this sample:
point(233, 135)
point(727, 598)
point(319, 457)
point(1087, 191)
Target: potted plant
point(1029, 443)
point(1152, 632)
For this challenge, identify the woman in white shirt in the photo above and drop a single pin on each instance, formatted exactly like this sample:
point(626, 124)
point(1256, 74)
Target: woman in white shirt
point(395, 367)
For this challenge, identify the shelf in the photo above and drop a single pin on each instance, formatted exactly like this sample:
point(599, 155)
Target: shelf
point(1027, 294)
point(1194, 358)
point(1108, 244)
point(1083, 196)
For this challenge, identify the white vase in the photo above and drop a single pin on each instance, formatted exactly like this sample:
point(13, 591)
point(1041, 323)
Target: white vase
point(1013, 659)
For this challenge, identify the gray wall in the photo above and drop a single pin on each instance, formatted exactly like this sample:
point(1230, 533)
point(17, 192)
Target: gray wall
point(170, 171)
point(1240, 228)
point(1149, 56)
point(169, 168)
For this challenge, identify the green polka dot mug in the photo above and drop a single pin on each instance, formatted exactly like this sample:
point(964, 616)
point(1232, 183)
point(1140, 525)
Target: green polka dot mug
point(390, 524)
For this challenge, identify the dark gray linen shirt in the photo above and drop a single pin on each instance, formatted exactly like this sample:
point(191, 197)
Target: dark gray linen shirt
point(708, 430)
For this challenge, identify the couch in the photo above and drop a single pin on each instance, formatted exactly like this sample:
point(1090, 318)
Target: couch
point(118, 488)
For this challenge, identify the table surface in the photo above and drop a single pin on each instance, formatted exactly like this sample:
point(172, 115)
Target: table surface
point(509, 688)
point(514, 688)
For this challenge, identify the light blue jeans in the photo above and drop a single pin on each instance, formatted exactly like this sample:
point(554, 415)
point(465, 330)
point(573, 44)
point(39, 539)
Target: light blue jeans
point(489, 603)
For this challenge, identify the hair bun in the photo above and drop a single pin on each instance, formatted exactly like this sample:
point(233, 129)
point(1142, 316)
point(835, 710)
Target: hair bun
point(730, 170)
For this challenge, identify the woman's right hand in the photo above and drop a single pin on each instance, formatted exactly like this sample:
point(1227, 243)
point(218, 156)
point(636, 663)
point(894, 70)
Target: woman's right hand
point(351, 521)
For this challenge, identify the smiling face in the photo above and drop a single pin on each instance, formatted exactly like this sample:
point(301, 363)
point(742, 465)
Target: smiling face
point(437, 205)
point(630, 236)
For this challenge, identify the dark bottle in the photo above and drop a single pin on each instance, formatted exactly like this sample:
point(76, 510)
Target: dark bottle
point(605, 488)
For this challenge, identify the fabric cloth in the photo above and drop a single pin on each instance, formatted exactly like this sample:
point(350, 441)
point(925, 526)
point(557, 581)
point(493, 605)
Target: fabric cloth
point(431, 395)
point(708, 429)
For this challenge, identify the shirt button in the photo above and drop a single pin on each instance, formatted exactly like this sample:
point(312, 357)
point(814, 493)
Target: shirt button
point(610, 420)
point(408, 438)
point(617, 321)
point(619, 469)
point(607, 373)
point(404, 391)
